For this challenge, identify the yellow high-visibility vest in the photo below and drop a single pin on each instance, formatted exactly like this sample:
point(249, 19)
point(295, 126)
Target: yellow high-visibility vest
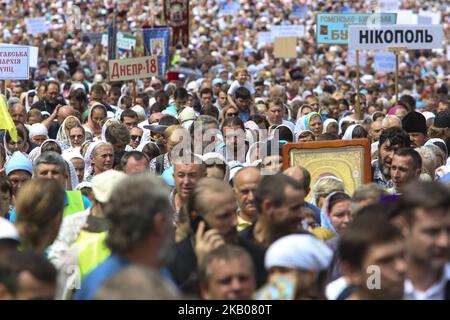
point(92, 251)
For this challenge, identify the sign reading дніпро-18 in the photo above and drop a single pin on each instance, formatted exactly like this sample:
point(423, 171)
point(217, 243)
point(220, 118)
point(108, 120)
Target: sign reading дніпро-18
point(333, 27)
point(412, 37)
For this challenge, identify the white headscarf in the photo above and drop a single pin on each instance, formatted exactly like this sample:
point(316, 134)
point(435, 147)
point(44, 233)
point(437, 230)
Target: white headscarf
point(106, 125)
point(36, 152)
point(87, 158)
point(349, 132)
point(62, 136)
point(72, 175)
point(298, 251)
point(327, 123)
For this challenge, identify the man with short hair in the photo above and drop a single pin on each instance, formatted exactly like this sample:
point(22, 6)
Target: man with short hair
point(245, 182)
point(372, 259)
point(279, 201)
point(425, 208)
point(416, 125)
point(212, 216)
point(406, 167)
point(119, 137)
point(51, 165)
point(134, 162)
point(51, 99)
point(136, 134)
point(206, 97)
point(227, 274)
point(186, 176)
point(18, 112)
point(140, 231)
point(243, 100)
point(27, 275)
point(375, 131)
point(129, 118)
point(390, 140)
point(302, 175)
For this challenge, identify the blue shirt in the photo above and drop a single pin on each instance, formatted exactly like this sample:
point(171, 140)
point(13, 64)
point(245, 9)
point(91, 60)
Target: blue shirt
point(12, 214)
point(244, 115)
point(108, 268)
point(98, 276)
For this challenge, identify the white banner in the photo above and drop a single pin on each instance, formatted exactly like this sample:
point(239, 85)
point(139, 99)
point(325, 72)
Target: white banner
point(427, 17)
point(406, 17)
point(384, 62)
point(286, 31)
point(351, 58)
point(33, 53)
point(265, 38)
point(411, 37)
point(388, 5)
point(14, 63)
point(36, 25)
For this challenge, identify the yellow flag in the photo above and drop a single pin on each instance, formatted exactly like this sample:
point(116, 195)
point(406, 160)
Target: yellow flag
point(6, 122)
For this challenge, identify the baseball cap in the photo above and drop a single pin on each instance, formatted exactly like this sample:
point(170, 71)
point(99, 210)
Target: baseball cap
point(104, 183)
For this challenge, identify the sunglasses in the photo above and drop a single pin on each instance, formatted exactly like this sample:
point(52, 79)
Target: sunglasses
point(232, 114)
point(136, 138)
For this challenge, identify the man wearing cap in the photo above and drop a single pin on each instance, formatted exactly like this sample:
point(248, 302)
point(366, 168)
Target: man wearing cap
point(415, 124)
point(86, 231)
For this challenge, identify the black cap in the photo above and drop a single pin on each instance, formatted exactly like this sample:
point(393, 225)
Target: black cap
point(442, 119)
point(414, 122)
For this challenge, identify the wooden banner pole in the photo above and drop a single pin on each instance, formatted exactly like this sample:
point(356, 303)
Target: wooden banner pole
point(358, 102)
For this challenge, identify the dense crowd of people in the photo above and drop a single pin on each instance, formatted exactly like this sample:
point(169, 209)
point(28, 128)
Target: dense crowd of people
point(176, 182)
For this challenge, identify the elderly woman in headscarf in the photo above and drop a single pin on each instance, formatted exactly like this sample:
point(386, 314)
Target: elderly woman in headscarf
point(63, 135)
point(312, 122)
point(97, 115)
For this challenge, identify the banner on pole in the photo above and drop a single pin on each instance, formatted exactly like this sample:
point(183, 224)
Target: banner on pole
point(176, 13)
point(157, 43)
point(36, 25)
point(332, 28)
point(14, 62)
point(384, 62)
point(411, 37)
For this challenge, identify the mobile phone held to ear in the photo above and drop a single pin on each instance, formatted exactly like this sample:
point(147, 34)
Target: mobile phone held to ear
point(196, 221)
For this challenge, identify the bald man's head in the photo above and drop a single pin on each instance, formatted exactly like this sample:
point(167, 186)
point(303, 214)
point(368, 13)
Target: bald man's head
point(245, 182)
point(300, 174)
point(64, 112)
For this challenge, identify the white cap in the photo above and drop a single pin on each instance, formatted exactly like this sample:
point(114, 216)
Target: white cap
point(187, 114)
point(8, 231)
point(104, 183)
point(299, 251)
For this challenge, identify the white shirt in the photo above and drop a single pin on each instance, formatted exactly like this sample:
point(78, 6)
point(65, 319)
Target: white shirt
point(435, 292)
point(335, 288)
point(236, 85)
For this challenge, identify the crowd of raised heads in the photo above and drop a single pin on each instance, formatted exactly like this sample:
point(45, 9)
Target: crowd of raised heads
point(173, 187)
